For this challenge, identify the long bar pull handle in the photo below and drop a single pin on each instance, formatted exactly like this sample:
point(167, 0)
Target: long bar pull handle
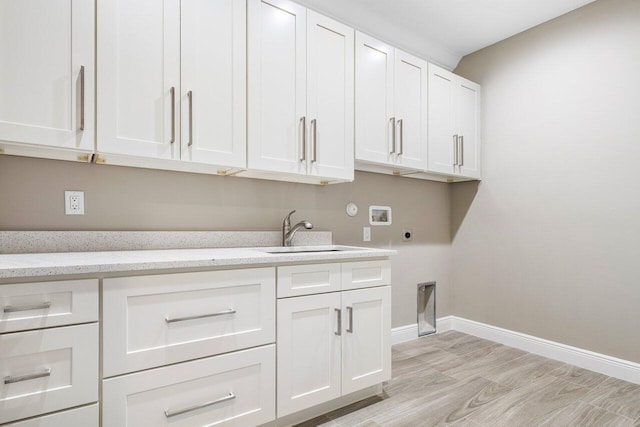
point(190, 98)
point(169, 413)
point(461, 150)
point(314, 141)
point(173, 114)
point(200, 316)
point(82, 97)
point(303, 149)
point(393, 135)
point(455, 150)
point(339, 314)
point(11, 379)
point(350, 328)
point(401, 126)
point(12, 309)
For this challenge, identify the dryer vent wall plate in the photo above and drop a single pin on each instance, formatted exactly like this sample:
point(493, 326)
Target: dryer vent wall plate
point(352, 209)
point(379, 215)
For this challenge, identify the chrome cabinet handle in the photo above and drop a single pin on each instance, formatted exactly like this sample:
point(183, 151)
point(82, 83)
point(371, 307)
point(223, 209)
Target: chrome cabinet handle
point(339, 314)
point(455, 150)
point(82, 97)
point(12, 309)
point(190, 98)
point(11, 379)
point(314, 141)
point(200, 316)
point(173, 114)
point(169, 413)
point(350, 328)
point(461, 150)
point(401, 126)
point(303, 150)
point(393, 135)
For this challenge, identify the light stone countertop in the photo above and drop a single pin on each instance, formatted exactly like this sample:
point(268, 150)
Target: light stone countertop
point(85, 263)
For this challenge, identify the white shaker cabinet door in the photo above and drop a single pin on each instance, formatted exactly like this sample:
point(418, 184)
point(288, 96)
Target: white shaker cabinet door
point(308, 351)
point(374, 100)
point(213, 81)
point(46, 72)
point(468, 107)
point(139, 75)
point(277, 86)
point(366, 343)
point(330, 97)
point(442, 121)
point(410, 91)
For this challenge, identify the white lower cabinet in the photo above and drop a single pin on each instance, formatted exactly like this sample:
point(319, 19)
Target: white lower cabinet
point(235, 389)
point(331, 345)
point(47, 370)
point(87, 416)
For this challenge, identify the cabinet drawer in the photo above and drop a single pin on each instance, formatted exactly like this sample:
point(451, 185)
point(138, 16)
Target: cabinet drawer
point(40, 305)
point(80, 417)
point(298, 280)
point(365, 274)
point(235, 389)
point(47, 370)
point(151, 321)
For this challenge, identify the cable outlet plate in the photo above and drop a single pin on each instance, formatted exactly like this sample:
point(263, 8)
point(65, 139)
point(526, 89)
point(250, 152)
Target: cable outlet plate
point(74, 202)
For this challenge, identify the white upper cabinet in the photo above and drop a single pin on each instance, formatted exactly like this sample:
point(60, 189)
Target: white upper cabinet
point(300, 92)
point(47, 73)
point(173, 80)
point(139, 75)
point(213, 82)
point(391, 105)
point(454, 124)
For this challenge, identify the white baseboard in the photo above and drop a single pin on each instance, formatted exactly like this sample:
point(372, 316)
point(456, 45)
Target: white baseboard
point(410, 332)
point(607, 365)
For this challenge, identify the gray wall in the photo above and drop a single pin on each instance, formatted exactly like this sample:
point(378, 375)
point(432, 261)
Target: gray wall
point(119, 198)
point(549, 243)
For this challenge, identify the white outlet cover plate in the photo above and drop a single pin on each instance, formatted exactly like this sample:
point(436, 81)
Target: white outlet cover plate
point(74, 202)
point(366, 234)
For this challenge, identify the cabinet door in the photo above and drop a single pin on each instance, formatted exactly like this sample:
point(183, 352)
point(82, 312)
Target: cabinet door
point(44, 48)
point(308, 351)
point(277, 86)
point(213, 81)
point(366, 344)
point(139, 74)
point(374, 100)
point(330, 74)
point(468, 114)
point(410, 91)
point(441, 119)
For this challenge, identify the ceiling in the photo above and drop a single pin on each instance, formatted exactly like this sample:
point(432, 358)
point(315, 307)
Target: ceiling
point(443, 31)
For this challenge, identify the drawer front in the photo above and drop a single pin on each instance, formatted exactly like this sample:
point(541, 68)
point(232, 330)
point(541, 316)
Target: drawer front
point(299, 280)
point(26, 306)
point(151, 321)
point(365, 274)
point(86, 416)
point(235, 389)
point(47, 370)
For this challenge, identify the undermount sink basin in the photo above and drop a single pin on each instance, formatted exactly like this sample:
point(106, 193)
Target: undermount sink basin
point(305, 249)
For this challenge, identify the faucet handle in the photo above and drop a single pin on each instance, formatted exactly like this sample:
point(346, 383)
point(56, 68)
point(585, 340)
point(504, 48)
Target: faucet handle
point(287, 219)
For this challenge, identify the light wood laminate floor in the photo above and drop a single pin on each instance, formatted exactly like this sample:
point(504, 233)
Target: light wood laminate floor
point(460, 380)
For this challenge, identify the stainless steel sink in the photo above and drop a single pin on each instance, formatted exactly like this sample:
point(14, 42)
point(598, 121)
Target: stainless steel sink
point(306, 249)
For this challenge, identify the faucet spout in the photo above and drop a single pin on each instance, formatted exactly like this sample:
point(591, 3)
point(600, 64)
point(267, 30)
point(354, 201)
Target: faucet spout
point(288, 232)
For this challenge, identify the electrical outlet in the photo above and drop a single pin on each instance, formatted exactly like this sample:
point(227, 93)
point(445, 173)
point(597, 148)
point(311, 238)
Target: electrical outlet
point(366, 234)
point(74, 202)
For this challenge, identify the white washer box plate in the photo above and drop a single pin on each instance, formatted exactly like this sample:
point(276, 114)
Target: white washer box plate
point(141, 399)
point(365, 274)
point(296, 280)
point(136, 333)
point(71, 355)
point(69, 302)
point(86, 416)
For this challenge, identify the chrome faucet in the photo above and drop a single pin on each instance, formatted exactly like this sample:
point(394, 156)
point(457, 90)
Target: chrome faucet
point(288, 231)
